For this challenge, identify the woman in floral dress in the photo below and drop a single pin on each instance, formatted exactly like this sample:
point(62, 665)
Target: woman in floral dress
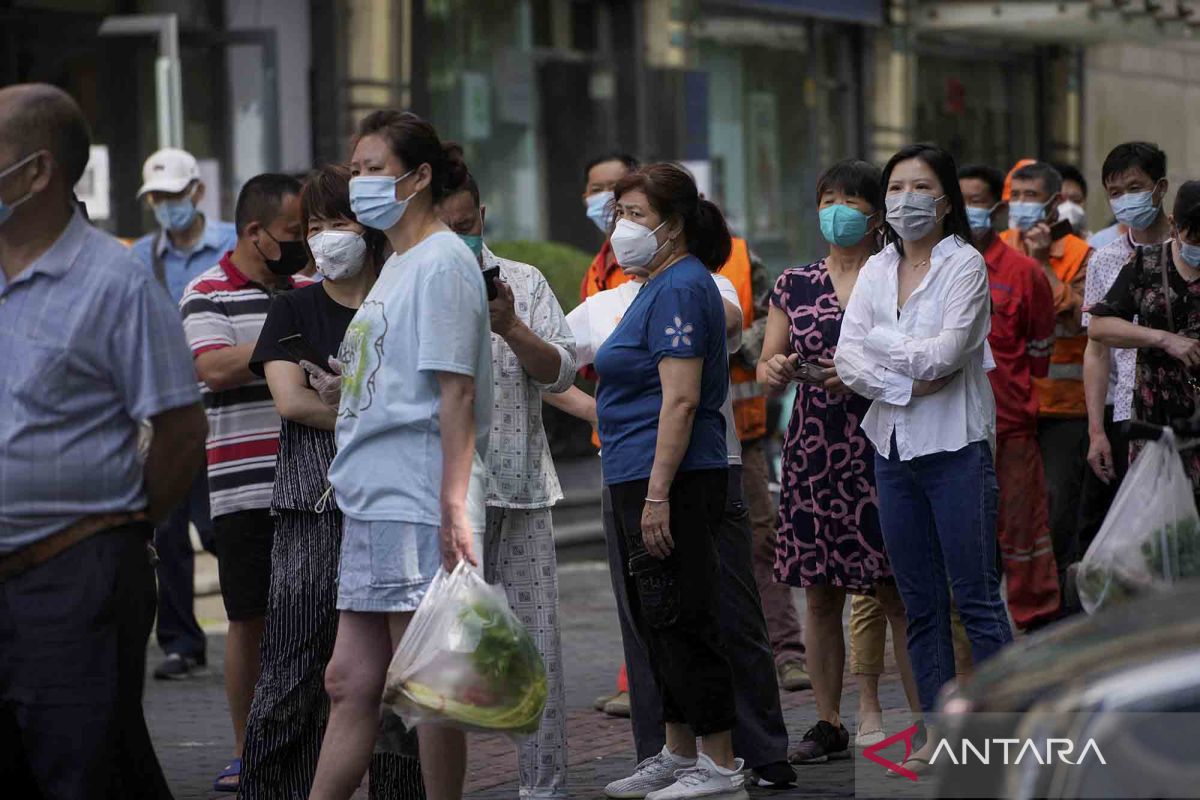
point(829, 540)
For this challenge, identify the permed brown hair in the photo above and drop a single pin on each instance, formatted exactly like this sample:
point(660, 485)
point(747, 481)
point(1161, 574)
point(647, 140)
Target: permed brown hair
point(672, 193)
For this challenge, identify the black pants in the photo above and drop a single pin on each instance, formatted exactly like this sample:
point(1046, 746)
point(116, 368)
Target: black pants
point(1097, 496)
point(73, 634)
point(177, 630)
point(759, 735)
point(1064, 446)
point(673, 602)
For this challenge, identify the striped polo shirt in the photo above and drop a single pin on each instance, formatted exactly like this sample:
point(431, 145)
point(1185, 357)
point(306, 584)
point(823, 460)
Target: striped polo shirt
point(223, 308)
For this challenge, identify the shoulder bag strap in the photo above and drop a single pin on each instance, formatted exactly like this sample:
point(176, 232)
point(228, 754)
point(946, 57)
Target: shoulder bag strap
point(160, 269)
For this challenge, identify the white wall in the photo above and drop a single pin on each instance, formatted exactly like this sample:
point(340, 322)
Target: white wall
point(290, 21)
point(1151, 93)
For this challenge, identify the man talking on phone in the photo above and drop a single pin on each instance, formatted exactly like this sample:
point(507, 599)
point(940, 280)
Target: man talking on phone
point(533, 351)
point(1034, 230)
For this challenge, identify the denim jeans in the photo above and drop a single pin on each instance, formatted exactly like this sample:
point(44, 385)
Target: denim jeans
point(938, 514)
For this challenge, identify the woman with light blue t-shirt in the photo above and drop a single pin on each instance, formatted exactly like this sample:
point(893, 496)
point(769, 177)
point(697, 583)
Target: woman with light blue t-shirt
point(414, 417)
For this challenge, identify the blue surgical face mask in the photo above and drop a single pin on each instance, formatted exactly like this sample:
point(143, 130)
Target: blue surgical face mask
point(373, 200)
point(475, 242)
point(842, 225)
point(6, 209)
point(980, 219)
point(599, 210)
point(1024, 216)
point(1135, 211)
point(1190, 253)
point(175, 215)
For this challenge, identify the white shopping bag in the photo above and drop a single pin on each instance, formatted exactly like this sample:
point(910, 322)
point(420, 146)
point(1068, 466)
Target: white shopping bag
point(1151, 536)
point(467, 661)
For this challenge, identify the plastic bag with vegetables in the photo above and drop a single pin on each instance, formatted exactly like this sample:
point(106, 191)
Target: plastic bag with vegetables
point(467, 661)
point(1151, 536)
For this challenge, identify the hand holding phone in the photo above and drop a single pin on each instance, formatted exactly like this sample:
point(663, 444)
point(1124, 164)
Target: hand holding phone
point(489, 278)
point(1060, 229)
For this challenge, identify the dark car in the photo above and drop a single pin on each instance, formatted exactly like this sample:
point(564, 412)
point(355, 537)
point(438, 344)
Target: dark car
point(1121, 689)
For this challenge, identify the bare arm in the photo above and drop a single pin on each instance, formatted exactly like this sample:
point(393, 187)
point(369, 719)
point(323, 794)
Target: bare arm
point(457, 423)
point(680, 379)
point(294, 399)
point(575, 402)
point(733, 319)
point(176, 455)
point(226, 367)
point(1097, 361)
point(776, 365)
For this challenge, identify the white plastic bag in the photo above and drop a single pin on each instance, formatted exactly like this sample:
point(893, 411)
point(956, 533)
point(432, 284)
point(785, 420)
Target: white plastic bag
point(1151, 536)
point(467, 661)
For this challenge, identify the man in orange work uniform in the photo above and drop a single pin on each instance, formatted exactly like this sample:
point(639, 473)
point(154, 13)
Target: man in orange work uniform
point(1062, 423)
point(1021, 339)
point(600, 176)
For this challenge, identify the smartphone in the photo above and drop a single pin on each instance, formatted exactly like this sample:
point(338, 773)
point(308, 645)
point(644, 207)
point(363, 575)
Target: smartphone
point(489, 277)
point(808, 372)
point(301, 349)
point(1060, 229)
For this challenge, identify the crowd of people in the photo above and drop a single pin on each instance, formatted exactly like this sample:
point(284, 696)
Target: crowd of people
point(342, 391)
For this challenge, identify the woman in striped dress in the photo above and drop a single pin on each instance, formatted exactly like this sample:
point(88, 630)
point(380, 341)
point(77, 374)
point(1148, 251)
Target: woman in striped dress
point(290, 710)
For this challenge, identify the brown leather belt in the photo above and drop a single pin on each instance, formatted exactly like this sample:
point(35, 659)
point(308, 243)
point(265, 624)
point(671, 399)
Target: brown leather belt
point(41, 551)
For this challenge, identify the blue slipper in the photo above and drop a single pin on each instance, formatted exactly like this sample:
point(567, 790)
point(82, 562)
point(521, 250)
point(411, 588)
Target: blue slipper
point(232, 770)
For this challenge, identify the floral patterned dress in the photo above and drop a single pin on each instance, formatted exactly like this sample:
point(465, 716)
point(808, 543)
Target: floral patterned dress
point(1165, 390)
point(828, 510)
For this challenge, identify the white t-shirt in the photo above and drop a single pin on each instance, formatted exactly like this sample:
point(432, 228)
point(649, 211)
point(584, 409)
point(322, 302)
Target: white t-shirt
point(426, 314)
point(594, 320)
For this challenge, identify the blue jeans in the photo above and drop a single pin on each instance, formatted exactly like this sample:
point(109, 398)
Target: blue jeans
point(938, 514)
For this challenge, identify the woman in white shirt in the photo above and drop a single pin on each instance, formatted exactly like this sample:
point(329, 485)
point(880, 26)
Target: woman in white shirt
point(913, 340)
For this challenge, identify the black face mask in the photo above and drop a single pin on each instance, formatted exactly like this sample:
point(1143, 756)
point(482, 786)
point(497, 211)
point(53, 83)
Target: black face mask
point(293, 257)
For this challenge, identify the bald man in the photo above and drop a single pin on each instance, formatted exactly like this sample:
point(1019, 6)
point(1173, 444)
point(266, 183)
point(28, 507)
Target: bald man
point(92, 346)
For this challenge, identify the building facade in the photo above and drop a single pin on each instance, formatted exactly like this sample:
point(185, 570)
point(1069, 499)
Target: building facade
point(755, 96)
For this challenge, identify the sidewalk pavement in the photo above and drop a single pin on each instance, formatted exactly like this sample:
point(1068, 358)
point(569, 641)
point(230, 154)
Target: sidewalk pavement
point(190, 724)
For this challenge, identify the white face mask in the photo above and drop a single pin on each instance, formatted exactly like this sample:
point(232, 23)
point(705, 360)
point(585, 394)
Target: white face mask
point(635, 246)
point(338, 254)
point(912, 215)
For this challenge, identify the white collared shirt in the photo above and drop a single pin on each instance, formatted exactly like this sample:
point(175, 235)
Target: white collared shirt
point(941, 330)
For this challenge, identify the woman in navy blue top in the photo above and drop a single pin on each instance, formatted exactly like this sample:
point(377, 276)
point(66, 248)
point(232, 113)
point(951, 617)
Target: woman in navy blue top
point(664, 375)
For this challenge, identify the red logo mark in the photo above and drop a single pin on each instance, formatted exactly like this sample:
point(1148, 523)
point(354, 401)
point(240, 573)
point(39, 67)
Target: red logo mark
point(872, 752)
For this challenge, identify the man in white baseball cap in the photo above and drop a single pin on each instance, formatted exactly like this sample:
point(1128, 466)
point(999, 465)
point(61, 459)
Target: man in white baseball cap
point(186, 245)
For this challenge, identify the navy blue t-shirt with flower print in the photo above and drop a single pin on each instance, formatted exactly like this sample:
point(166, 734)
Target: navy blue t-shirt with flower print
point(678, 314)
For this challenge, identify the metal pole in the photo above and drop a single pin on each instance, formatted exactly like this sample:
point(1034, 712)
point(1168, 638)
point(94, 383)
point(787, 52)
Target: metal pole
point(168, 76)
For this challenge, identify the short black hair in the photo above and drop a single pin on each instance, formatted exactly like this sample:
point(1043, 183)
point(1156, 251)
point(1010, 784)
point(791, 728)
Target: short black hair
point(1135, 155)
point(1051, 179)
point(992, 176)
point(629, 161)
point(943, 166)
point(261, 197)
point(1070, 172)
point(1187, 209)
point(853, 178)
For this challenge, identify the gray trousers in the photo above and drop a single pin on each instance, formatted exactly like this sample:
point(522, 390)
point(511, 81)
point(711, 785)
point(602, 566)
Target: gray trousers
point(519, 553)
point(760, 736)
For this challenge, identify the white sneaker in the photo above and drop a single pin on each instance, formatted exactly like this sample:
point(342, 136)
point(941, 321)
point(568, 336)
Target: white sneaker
point(656, 772)
point(705, 779)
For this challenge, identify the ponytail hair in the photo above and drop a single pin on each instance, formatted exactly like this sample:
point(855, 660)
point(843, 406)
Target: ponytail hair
point(672, 193)
point(415, 142)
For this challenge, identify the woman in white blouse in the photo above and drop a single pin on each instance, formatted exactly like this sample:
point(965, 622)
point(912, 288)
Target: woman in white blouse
point(913, 340)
